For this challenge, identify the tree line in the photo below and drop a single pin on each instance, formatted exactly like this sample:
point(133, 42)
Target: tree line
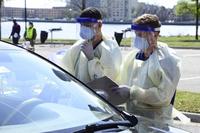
point(184, 11)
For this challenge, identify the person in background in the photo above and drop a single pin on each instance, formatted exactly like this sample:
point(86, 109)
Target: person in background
point(149, 73)
point(95, 55)
point(15, 33)
point(30, 35)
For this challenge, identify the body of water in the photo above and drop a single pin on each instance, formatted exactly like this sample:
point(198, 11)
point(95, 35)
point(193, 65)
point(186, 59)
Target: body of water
point(71, 30)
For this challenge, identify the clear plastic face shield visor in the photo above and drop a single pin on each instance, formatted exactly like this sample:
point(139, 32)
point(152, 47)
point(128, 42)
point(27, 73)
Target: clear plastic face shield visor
point(86, 28)
point(143, 36)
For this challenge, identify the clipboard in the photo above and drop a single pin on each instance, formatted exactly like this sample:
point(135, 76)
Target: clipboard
point(105, 84)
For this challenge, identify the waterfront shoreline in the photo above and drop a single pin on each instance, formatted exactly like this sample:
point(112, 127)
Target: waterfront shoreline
point(105, 22)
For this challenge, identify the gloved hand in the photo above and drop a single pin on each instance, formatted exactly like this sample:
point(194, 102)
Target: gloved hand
point(88, 50)
point(122, 91)
point(152, 44)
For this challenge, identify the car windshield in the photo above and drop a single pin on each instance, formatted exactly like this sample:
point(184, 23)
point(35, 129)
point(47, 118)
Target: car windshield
point(37, 96)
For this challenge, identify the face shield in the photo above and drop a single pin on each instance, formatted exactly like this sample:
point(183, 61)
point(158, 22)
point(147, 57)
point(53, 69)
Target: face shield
point(143, 36)
point(87, 27)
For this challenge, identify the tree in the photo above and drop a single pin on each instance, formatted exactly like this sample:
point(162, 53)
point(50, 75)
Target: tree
point(74, 7)
point(163, 13)
point(186, 7)
point(78, 5)
point(189, 7)
point(138, 10)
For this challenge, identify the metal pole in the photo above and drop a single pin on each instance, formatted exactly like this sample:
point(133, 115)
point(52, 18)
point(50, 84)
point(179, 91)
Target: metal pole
point(197, 18)
point(25, 14)
point(51, 36)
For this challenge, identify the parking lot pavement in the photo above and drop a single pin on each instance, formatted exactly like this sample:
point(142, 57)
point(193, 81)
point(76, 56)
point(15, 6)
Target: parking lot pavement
point(190, 127)
point(47, 50)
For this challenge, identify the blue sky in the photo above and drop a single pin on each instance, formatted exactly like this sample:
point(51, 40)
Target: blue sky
point(50, 3)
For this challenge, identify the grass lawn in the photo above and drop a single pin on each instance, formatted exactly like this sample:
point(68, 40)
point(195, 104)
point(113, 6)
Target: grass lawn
point(60, 41)
point(187, 101)
point(172, 41)
point(181, 41)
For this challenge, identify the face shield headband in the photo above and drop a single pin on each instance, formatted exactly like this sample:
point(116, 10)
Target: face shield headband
point(87, 20)
point(144, 28)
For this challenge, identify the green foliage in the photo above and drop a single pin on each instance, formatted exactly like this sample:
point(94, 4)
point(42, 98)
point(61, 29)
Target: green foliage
point(184, 7)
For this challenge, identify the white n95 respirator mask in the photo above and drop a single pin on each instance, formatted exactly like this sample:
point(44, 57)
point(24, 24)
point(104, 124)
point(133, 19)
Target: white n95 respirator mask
point(87, 33)
point(140, 43)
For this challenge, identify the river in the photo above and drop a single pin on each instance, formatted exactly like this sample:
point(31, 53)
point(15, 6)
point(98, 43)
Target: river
point(71, 30)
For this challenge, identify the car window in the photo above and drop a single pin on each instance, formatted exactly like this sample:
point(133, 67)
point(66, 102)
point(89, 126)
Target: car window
point(33, 90)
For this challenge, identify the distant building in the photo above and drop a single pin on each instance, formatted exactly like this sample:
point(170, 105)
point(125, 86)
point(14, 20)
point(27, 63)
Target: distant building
point(112, 10)
point(54, 13)
point(119, 10)
point(93, 3)
point(12, 12)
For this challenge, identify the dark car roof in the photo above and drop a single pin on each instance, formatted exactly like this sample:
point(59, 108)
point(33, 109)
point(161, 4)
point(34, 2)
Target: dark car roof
point(8, 46)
